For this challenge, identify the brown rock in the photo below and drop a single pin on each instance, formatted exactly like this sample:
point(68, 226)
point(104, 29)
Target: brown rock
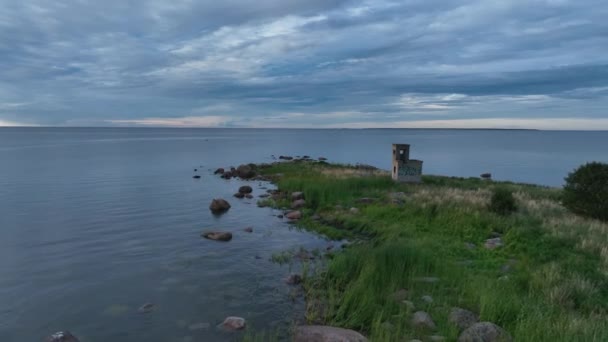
point(294, 215)
point(245, 189)
point(320, 333)
point(245, 171)
point(297, 204)
point(219, 205)
point(217, 236)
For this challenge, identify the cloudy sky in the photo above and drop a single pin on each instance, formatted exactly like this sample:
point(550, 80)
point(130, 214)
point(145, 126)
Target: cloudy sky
point(310, 63)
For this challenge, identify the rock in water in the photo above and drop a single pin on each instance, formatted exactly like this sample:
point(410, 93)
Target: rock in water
point(219, 205)
point(294, 215)
point(462, 318)
point(245, 189)
point(219, 171)
point(233, 323)
point(245, 171)
point(196, 177)
point(62, 336)
point(484, 332)
point(293, 279)
point(297, 204)
point(146, 308)
point(239, 195)
point(217, 236)
point(248, 229)
point(423, 320)
point(321, 333)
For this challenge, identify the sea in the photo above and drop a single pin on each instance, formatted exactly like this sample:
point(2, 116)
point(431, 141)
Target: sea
point(96, 222)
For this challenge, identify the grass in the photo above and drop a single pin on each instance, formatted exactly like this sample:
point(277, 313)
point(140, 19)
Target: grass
point(549, 282)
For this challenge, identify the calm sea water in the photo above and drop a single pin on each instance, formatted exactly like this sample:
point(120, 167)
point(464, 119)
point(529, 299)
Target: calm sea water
point(96, 222)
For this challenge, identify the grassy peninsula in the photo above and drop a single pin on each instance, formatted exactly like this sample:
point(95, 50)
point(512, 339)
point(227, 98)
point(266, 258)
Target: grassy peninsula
point(423, 247)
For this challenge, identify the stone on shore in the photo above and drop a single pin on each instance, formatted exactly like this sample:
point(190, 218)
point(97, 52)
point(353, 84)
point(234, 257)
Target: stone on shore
point(462, 318)
point(493, 243)
point(233, 323)
point(423, 320)
point(321, 333)
point(484, 332)
point(297, 204)
point(217, 236)
point(294, 215)
point(219, 171)
point(239, 195)
point(245, 171)
point(62, 336)
point(219, 205)
point(297, 195)
point(245, 189)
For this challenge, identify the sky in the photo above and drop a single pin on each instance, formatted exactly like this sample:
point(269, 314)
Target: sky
point(539, 64)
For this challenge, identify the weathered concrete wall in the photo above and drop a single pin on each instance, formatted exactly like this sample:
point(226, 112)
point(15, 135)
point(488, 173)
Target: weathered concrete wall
point(405, 169)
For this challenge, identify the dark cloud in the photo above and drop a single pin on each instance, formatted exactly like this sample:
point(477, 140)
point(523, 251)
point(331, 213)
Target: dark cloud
point(302, 63)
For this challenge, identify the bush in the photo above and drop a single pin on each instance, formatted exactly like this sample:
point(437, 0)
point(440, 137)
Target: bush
point(502, 202)
point(586, 191)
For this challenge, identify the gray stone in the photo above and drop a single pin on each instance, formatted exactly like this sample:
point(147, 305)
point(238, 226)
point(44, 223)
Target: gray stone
point(297, 204)
point(462, 318)
point(233, 323)
point(219, 205)
point(146, 308)
point(423, 320)
point(484, 332)
point(354, 210)
point(320, 333)
point(493, 243)
point(62, 336)
point(427, 299)
point(217, 236)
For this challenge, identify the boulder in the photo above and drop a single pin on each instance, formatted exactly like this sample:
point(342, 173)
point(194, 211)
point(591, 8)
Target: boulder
point(320, 333)
point(293, 279)
point(245, 171)
point(217, 236)
point(239, 195)
point(462, 318)
point(493, 243)
point(62, 336)
point(245, 189)
point(233, 323)
point(297, 204)
point(422, 320)
point(219, 171)
point(484, 332)
point(146, 308)
point(297, 195)
point(219, 205)
point(294, 215)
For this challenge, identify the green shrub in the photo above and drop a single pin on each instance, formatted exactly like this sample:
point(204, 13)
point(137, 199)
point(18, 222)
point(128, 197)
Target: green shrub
point(586, 191)
point(502, 202)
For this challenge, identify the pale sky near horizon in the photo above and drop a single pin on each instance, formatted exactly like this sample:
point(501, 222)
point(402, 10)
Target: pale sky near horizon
point(540, 64)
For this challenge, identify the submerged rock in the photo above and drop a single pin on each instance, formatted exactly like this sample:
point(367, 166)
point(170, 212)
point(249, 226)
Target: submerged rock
point(233, 323)
point(219, 205)
point(245, 189)
point(217, 236)
point(484, 332)
point(462, 318)
point(321, 333)
point(146, 308)
point(62, 336)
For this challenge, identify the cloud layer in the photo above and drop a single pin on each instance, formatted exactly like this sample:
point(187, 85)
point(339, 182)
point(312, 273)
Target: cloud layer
point(314, 63)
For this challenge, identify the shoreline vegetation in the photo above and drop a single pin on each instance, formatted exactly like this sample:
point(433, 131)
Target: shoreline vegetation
point(426, 261)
